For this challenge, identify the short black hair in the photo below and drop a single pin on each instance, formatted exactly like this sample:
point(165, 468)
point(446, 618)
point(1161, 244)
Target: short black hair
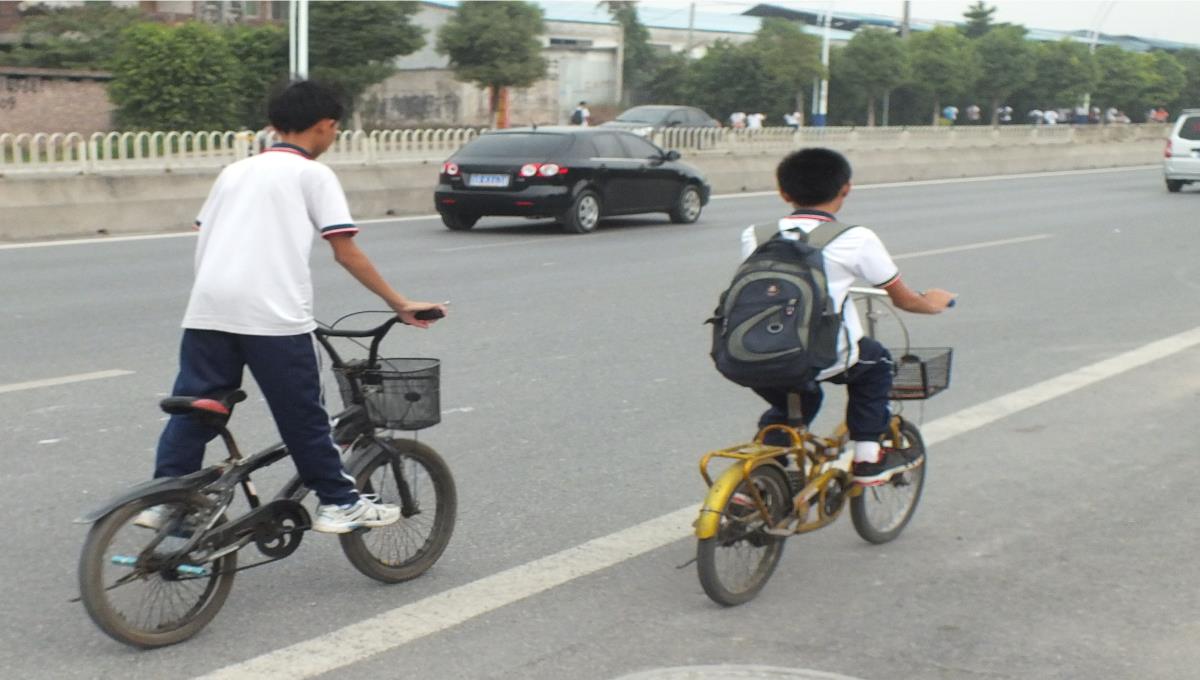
point(812, 176)
point(302, 104)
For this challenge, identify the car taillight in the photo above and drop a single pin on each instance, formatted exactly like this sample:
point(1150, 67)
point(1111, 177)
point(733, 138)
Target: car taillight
point(543, 169)
point(450, 169)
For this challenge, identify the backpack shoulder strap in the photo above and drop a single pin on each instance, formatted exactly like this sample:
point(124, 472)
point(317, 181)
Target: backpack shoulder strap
point(826, 232)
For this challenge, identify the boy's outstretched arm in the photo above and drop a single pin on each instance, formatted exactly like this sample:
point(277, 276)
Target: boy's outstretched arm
point(932, 301)
point(347, 253)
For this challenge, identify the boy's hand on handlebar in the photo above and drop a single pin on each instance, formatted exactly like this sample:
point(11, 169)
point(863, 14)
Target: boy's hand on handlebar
point(940, 299)
point(420, 314)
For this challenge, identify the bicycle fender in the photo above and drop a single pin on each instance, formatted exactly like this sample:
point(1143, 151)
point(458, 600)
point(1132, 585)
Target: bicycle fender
point(718, 496)
point(152, 489)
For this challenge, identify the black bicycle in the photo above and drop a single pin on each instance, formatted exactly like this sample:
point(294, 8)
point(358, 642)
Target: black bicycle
point(156, 587)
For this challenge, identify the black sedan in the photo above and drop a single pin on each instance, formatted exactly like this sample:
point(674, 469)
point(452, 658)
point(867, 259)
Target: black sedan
point(574, 175)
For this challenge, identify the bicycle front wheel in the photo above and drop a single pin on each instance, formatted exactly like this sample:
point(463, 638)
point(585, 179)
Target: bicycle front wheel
point(131, 593)
point(881, 512)
point(413, 476)
point(736, 563)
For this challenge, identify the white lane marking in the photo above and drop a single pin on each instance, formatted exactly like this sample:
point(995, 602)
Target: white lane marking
point(974, 246)
point(64, 380)
point(752, 194)
point(437, 613)
point(449, 608)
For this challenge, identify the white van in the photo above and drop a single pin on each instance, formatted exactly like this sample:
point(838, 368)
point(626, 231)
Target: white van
point(1181, 158)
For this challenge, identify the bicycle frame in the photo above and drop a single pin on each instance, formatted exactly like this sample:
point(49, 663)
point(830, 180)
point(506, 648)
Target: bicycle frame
point(818, 455)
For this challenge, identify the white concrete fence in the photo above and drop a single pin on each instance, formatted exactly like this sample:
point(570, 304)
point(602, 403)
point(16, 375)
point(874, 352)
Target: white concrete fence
point(117, 152)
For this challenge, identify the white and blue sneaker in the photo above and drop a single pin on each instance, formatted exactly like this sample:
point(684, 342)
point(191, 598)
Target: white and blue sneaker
point(366, 513)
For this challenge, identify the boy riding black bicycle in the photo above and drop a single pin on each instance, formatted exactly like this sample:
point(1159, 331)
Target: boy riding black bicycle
point(816, 182)
point(251, 304)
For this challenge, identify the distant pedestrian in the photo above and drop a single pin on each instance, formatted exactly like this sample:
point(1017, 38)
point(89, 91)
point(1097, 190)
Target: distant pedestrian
point(1004, 114)
point(1110, 115)
point(737, 120)
point(1050, 117)
point(950, 114)
point(792, 120)
point(580, 116)
point(754, 121)
point(973, 114)
point(1034, 117)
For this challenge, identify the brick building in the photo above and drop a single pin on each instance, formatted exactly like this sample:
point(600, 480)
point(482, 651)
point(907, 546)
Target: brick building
point(53, 100)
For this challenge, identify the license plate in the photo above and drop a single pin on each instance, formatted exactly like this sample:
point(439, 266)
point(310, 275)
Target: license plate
point(487, 181)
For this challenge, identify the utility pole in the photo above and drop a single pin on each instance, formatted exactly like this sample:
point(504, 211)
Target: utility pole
point(821, 87)
point(298, 39)
point(691, 24)
point(887, 96)
point(1101, 15)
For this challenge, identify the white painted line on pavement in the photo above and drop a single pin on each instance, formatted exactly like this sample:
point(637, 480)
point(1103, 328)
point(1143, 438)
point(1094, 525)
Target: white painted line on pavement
point(447, 609)
point(64, 380)
point(974, 246)
point(751, 194)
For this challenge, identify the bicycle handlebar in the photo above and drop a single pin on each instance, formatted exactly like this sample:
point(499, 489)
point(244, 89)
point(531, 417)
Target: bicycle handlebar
point(376, 334)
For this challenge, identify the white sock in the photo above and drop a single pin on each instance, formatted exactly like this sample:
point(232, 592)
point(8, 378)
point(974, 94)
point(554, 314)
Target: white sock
point(866, 452)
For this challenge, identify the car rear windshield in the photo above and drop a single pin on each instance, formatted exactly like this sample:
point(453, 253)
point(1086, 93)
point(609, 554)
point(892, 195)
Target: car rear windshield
point(1190, 128)
point(642, 114)
point(517, 144)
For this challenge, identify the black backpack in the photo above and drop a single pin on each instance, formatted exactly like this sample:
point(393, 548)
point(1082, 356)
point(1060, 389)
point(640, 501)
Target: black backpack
point(775, 326)
point(577, 117)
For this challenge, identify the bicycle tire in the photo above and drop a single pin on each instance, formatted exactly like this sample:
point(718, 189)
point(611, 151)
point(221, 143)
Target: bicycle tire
point(98, 598)
point(902, 492)
point(734, 536)
point(371, 473)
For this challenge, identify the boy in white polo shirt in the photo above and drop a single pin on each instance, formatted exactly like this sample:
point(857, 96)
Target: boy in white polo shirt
point(816, 182)
point(252, 303)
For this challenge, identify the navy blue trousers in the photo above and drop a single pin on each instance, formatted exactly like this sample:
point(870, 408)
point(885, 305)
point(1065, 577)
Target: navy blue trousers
point(868, 384)
point(287, 371)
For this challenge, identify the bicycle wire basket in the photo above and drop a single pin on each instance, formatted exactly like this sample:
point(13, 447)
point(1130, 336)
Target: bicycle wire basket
point(398, 394)
point(920, 372)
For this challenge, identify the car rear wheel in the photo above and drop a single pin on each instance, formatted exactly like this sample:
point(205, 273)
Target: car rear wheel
point(687, 207)
point(584, 213)
point(459, 221)
point(1174, 185)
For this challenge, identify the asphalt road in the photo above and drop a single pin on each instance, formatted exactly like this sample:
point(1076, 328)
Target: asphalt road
point(1057, 537)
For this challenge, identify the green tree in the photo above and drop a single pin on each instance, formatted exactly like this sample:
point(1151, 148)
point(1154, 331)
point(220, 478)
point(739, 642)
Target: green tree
point(669, 81)
point(978, 17)
point(791, 60)
point(352, 44)
point(495, 45)
point(873, 63)
point(638, 65)
point(1006, 64)
point(1122, 78)
point(979, 20)
point(79, 37)
point(943, 63)
point(1166, 80)
point(1065, 72)
point(1190, 96)
point(728, 78)
point(174, 78)
point(262, 56)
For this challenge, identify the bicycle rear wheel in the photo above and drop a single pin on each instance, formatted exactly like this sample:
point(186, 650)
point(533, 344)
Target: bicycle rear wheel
point(735, 564)
point(130, 593)
point(881, 512)
point(413, 476)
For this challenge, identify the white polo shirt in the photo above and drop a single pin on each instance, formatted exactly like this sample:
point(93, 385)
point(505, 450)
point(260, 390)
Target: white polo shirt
point(256, 235)
point(855, 254)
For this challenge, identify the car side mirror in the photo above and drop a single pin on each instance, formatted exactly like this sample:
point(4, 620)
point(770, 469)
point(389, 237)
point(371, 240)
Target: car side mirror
point(671, 155)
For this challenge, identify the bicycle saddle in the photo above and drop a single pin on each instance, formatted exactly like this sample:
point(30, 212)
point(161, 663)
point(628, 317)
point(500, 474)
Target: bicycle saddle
point(220, 405)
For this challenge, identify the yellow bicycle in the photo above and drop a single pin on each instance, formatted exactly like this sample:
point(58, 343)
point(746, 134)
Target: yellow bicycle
point(769, 493)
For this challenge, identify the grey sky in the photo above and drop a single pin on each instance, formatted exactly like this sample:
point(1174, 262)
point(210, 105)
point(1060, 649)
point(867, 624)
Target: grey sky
point(1166, 19)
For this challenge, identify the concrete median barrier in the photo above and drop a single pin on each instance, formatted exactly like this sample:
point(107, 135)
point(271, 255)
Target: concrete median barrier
point(41, 207)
